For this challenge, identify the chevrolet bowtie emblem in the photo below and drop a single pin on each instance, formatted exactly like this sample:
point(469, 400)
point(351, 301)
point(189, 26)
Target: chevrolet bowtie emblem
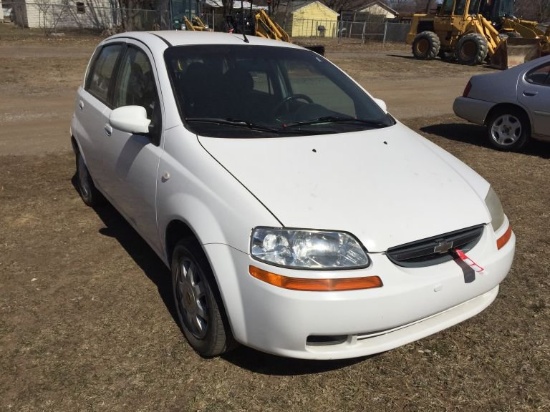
point(443, 246)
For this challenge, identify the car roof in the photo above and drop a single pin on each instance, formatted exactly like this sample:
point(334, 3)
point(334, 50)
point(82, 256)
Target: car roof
point(185, 38)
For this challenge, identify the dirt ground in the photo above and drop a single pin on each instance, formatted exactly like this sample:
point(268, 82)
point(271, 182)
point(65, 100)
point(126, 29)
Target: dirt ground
point(86, 318)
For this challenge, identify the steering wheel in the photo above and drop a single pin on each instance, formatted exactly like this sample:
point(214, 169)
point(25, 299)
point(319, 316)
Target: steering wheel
point(288, 99)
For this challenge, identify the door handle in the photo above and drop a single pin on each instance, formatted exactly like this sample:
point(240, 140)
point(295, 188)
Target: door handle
point(529, 94)
point(108, 130)
point(81, 105)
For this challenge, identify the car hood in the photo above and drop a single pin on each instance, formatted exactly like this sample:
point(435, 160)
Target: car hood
point(387, 186)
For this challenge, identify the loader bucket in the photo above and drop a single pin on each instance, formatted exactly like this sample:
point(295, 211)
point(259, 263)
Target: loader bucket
point(513, 51)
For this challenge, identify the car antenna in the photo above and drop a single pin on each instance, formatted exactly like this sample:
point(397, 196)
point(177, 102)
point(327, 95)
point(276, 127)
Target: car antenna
point(243, 25)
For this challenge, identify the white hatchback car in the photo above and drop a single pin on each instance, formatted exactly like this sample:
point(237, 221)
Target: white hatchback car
point(297, 216)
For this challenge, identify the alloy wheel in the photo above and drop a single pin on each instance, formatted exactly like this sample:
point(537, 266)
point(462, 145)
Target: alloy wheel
point(506, 130)
point(191, 298)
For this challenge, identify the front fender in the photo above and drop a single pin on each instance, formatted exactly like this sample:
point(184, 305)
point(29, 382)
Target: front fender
point(205, 199)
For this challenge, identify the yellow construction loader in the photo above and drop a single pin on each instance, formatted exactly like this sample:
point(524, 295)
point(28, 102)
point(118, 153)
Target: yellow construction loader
point(195, 24)
point(264, 26)
point(526, 29)
point(473, 31)
point(501, 14)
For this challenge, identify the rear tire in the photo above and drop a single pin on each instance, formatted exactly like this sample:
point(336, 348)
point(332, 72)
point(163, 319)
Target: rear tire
point(198, 302)
point(471, 49)
point(85, 184)
point(508, 129)
point(426, 45)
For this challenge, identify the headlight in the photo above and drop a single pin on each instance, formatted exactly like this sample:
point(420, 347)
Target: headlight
point(495, 209)
point(307, 249)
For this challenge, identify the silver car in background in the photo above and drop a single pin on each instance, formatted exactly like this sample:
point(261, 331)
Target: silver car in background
point(514, 104)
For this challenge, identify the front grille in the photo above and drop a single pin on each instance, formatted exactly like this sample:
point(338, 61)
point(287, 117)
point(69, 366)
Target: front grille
point(434, 250)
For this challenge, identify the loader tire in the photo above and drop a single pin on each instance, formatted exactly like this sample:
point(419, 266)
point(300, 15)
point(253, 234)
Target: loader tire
point(426, 45)
point(471, 49)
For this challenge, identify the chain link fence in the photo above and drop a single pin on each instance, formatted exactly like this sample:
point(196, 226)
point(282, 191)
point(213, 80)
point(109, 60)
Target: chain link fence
point(365, 31)
point(374, 31)
point(311, 28)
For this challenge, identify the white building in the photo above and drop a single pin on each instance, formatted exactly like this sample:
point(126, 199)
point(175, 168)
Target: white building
point(60, 14)
point(379, 8)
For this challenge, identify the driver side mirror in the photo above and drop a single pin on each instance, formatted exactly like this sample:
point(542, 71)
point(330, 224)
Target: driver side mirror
point(130, 119)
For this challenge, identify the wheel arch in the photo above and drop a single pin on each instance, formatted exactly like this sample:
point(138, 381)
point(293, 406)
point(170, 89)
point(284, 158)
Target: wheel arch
point(77, 148)
point(224, 286)
point(425, 26)
point(74, 144)
point(185, 216)
point(220, 225)
point(507, 106)
point(179, 232)
point(176, 231)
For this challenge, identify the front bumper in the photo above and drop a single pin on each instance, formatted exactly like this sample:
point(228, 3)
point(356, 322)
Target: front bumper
point(412, 304)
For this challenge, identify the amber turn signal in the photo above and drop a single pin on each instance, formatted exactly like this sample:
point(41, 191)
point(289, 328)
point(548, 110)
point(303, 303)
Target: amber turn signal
point(315, 285)
point(501, 241)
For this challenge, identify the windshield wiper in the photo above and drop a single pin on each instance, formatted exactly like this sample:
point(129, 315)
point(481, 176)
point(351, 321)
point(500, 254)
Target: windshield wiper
point(338, 119)
point(233, 122)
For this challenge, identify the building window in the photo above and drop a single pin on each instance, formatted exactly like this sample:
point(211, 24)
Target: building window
point(80, 7)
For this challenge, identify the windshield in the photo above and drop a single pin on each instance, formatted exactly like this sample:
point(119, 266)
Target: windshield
point(259, 91)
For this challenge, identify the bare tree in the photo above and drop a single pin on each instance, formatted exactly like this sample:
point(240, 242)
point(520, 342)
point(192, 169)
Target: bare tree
point(143, 14)
point(227, 6)
point(339, 5)
point(45, 14)
point(129, 11)
point(538, 10)
point(403, 6)
point(274, 5)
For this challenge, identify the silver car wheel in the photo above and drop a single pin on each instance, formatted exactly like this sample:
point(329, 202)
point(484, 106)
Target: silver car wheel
point(506, 130)
point(198, 303)
point(191, 298)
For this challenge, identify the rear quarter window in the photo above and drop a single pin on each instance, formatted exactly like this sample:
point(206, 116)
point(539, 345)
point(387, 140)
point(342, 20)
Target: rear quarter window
point(540, 75)
point(102, 71)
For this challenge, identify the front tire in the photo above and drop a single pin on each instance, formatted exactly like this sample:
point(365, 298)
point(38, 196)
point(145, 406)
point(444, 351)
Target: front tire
point(471, 49)
point(198, 302)
point(508, 129)
point(426, 45)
